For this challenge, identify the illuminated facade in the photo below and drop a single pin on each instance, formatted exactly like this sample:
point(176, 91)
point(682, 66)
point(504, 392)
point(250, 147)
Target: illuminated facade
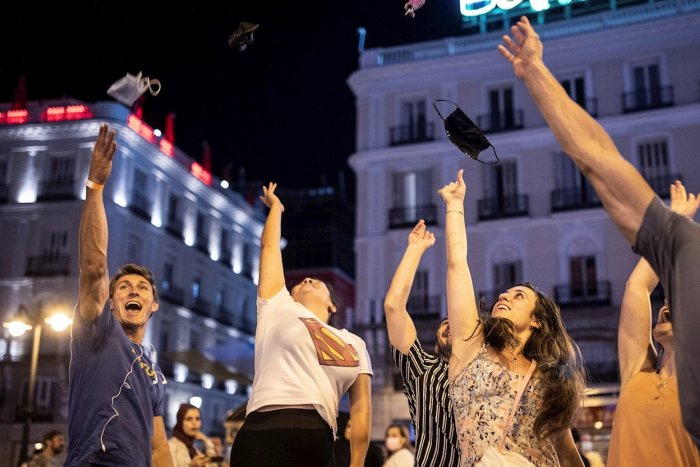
point(634, 67)
point(164, 211)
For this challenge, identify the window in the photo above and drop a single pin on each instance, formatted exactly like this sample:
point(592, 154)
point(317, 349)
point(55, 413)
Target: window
point(575, 87)
point(196, 288)
point(501, 182)
point(173, 203)
point(135, 249)
point(202, 238)
point(167, 281)
point(54, 244)
point(412, 197)
point(647, 85)
point(572, 190)
point(583, 277)
point(413, 126)
point(505, 275)
point(219, 297)
point(654, 165)
point(501, 111)
point(62, 170)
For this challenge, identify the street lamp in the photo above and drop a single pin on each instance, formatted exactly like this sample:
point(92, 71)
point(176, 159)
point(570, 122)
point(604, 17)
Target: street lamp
point(59, 321)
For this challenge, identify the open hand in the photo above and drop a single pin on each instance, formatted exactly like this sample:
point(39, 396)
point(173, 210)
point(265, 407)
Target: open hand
point(102, 155)
point(523, 49)
point(269, 197)
point(683, 203)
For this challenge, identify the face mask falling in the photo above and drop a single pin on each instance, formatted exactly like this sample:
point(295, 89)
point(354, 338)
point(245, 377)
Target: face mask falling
point(465, 134)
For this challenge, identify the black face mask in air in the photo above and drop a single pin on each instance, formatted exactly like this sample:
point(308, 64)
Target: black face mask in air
point(465, 134)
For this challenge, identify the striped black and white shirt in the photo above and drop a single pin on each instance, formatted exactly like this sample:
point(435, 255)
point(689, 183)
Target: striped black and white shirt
point(426, 386)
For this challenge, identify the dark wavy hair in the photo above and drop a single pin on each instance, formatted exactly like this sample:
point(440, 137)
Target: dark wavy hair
point(560, 367)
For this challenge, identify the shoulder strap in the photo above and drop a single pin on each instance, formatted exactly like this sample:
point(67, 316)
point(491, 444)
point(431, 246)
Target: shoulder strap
point(516, 403)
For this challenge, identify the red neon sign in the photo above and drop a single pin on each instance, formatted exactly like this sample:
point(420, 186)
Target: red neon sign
point(201, 174)
point(17, 117)
point(167, 148)
point(145, 131)
point(68, 112)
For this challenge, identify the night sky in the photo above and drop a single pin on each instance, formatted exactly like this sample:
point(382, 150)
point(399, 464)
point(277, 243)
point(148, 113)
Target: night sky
point(282, 109)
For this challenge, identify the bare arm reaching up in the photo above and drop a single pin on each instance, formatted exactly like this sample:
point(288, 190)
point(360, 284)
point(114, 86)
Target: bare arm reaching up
point(402, 331)
point(271, 270)
point(623, 191)
point(461, 302)
point(94, 278)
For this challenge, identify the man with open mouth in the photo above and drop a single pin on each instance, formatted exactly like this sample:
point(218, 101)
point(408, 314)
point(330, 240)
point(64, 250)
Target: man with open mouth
point(115, 415)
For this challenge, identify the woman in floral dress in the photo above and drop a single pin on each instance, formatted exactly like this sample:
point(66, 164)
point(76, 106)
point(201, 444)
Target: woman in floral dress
point(491, 355)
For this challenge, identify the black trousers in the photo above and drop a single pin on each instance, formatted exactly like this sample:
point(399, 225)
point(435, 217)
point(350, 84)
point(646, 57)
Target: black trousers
point(289, 437)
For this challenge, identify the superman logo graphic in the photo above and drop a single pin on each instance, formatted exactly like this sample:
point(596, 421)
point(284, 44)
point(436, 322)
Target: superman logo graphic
point(330, 349)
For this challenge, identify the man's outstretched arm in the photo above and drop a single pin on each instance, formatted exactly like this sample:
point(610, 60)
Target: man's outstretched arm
point(94, 278)
point(623, 191)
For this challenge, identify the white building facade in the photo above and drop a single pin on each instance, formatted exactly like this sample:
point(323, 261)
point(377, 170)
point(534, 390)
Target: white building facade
point(164, 211)
point(532, 217)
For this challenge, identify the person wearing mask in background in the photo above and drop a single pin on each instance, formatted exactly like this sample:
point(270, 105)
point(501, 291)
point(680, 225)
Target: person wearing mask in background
point(375, 456)
point(185, 433)
point(398, 447)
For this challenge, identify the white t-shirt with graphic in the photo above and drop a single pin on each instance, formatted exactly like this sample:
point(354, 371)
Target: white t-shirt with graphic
point(299, 360)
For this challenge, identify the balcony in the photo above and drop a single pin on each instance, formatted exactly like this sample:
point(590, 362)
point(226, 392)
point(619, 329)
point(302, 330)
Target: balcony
point(48, 265)
point(647, 99)
point(409, 134)
point(175, 228)
point(662, 184)
point(141, 206)
point(424, 307)
point(501, 121)
point(173, 294)
point(580, 295)
point(409, 216)
point(503, 207)
point(569, 199)
point(60, 189)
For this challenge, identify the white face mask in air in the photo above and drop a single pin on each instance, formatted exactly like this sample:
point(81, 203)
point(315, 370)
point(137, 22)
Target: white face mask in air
point(127, 89)
point(392, 444)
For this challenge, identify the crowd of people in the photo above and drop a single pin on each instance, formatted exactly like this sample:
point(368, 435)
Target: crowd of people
point(505, 381)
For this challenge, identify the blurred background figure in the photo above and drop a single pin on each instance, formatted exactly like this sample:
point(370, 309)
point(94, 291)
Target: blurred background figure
point(594, 458)
point(375, 456)
point(218, 443)
point(398, 447)
point(577, 439)
point(52, 453)
point(232, 423)
point(185, 433)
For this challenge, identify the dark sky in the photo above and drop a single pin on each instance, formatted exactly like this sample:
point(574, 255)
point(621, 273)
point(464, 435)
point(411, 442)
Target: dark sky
point(282, 108)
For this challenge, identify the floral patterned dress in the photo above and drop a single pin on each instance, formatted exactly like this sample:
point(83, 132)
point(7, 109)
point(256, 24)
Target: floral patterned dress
point(482, 397)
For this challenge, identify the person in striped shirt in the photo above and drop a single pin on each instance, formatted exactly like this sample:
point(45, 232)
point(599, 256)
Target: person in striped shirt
point(424, 375)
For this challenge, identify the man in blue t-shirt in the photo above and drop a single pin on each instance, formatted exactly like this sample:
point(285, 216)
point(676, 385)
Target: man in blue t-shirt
point(116, 389)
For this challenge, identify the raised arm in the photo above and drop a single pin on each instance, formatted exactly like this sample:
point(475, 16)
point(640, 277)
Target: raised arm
point(94, 278)
point(271, 278)
point(461, 303)
point(360, 394)
point(402, 331)
point(635, 349)
point(623, 191)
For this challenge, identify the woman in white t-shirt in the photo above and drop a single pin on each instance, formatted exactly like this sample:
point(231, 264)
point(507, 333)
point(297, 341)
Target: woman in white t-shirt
point(303, 366)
